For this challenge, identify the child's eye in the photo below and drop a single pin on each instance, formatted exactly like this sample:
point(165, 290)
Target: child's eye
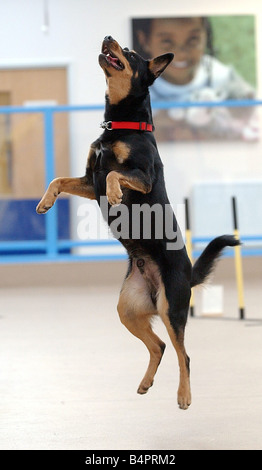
point(166, 44)
point(166, 41)
point(194, 41)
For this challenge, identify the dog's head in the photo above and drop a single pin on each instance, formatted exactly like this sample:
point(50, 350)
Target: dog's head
point(127, 73)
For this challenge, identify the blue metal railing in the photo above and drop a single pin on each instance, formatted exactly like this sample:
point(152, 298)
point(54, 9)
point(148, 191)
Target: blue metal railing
point(51, 245)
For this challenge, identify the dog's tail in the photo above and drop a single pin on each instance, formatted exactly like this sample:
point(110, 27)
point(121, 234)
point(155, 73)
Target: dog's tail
point(206, 262)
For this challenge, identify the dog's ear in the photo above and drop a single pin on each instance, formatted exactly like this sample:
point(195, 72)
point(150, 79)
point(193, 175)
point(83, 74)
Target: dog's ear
point(157, 66)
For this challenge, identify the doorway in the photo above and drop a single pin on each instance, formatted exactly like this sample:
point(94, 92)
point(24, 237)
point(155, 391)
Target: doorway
point(22, 163)
point(21, 135)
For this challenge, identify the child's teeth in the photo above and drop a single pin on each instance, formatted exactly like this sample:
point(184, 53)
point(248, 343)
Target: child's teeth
point(180, 64)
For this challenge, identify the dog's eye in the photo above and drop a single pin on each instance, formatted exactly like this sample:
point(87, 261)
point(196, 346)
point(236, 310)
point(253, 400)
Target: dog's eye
point(132, 55)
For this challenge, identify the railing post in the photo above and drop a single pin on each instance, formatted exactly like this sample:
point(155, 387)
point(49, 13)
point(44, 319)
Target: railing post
point(51, 216)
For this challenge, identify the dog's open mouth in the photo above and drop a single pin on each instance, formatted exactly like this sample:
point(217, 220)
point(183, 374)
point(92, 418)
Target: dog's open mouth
point(112, 59)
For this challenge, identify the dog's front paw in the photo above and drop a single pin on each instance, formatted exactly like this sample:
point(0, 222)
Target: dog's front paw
point(115, 198)
point(113, 192)
point(46, 202)
point(44, 206)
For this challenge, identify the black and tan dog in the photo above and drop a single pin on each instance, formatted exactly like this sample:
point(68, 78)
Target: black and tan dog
point(124, 165)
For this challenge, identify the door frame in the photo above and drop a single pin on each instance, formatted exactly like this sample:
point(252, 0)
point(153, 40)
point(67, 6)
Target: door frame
point(42, 63)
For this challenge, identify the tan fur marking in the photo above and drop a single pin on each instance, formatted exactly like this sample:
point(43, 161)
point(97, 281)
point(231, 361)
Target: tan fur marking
point(119, 88)
point(119, 82)
point(162, 303)
point(135, 295)
point(183, 394)
point(133, 183)
point(135, 310)
point(76, 186)
point(113, 189)
point(121, 151)
point(115, 180)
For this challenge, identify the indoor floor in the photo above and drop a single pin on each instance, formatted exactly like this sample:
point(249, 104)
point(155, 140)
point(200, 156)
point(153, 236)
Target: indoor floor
point(70, 370)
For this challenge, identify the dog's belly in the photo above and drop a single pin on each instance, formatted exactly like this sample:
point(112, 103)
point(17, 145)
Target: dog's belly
point(144, 277)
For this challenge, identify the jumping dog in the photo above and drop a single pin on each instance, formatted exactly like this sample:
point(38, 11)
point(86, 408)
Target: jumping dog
point(124, 165)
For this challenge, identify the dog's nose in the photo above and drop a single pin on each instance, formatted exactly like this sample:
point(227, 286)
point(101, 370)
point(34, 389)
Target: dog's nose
point(108, 38)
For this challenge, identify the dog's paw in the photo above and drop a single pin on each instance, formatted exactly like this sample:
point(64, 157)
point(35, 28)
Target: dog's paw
point(42, 207)
point(184, 399)
point(114, 200)
point(144, 387)
point(114, 194)
point(46, 203)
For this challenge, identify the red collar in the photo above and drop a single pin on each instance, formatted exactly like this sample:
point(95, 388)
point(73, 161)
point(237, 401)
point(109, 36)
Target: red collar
point(139, 126)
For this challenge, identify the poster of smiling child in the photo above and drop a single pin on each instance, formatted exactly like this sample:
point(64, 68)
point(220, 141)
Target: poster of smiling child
point(215, 60)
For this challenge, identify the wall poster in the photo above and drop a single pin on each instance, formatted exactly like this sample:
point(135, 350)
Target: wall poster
point(215, 60)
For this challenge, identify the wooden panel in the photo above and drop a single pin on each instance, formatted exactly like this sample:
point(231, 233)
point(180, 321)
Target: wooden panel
point(38, 84)
point(5, 98)
point(5, 146)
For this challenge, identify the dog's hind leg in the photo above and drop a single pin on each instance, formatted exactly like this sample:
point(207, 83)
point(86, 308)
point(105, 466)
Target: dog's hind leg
point(136, 308)
point(173, 312)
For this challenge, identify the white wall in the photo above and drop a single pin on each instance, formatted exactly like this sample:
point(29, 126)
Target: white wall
point(77, 28)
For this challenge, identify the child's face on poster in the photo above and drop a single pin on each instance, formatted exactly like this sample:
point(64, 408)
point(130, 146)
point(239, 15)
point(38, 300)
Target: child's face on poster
point(185, 37)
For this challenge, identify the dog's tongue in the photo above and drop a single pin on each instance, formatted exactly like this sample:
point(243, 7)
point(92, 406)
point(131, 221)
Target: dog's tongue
point(113, 60)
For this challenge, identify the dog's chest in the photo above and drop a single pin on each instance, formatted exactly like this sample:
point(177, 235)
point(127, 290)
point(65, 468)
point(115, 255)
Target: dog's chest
point(112, 156)
point(109, 157)
point(121, 151)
